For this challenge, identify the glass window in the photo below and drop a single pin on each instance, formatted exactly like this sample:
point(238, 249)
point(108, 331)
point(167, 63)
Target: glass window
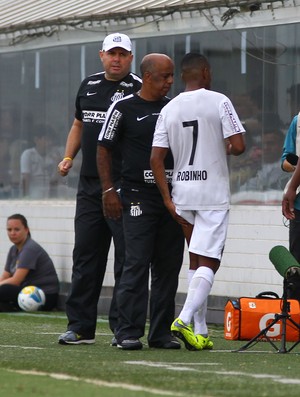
point(256, 68)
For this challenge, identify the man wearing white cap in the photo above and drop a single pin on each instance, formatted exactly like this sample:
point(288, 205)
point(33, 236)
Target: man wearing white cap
point(93, 232)
point(117, 40)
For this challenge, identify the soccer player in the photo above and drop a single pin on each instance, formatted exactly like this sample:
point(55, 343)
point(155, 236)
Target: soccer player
point(199, 126)
point(153, 239)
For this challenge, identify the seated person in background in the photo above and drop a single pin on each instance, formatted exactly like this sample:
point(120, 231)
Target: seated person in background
point(270, 175)
point(289, 160)
point(27, 264)
point(245, 166)
point(37, 164)
point(267, 184)
point(249, 172)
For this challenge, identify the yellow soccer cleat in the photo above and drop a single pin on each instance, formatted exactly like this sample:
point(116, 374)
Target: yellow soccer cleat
point(205, 341)
point(186, 334)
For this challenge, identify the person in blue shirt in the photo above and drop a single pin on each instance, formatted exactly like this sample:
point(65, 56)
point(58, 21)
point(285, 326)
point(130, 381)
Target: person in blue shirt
point(288, 163)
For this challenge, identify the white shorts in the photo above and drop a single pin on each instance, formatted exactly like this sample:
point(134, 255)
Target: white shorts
point(209, 233)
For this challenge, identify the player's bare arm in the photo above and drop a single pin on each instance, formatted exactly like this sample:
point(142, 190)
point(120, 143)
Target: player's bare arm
point(288, 167)
point(290, 195)
point(112, 206)
point(72, 148)
point(158, 155)
point(288, 203)
point(157, 158)
point(236, 145)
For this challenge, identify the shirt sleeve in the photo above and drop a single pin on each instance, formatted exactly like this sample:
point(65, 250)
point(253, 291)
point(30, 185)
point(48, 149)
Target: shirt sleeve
point(289, 145)
point(9, 259)
point(78, 110)
point(231, 123)
point(28, 258)
point(160, 138)
point(111, 128)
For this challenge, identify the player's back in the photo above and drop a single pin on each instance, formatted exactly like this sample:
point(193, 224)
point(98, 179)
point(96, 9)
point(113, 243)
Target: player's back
point(193, 122)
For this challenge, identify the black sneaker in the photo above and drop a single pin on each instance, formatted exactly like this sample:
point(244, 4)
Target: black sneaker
point(130, 344)
point(170, 344)
point(71, 338)
point(114, 342)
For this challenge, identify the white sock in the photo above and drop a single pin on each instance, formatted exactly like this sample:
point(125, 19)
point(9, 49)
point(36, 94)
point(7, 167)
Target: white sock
point(200, 326)
point(196, 318)
point(198, 292)
point(190, 275)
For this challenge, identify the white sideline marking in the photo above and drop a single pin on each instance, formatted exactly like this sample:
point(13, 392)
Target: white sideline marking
point(241, 351)
point(100, 382)
point(166, 365)
point(59, 333)
point(290, 381)
point(187, 367)
point(23, 347)
point(37, 314)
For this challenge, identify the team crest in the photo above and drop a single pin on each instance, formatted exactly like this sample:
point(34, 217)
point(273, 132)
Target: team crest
point(117, 95)
point(117, 39)
point(135, 210)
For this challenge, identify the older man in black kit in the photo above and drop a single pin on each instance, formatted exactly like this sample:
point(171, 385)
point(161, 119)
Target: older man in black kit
point(152, 237)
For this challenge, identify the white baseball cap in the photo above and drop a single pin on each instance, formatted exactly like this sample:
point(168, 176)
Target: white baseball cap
point(116, 40)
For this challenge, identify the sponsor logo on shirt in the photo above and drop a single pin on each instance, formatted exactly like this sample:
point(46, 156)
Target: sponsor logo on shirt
point(112, 125)
point(142, 118)
point(159, 120)
point(234, 123)
point(91, 82)
point(92, 116)
point(123, 84)
point(149, 177)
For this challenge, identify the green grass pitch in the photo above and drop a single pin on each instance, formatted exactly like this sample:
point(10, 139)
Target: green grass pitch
point(33, 364)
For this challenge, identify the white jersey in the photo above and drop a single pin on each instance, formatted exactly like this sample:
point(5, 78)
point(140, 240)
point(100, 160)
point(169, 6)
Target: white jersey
point(194, 125)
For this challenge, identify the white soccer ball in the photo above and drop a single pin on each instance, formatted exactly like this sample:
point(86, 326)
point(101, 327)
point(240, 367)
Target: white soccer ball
point(31, 298)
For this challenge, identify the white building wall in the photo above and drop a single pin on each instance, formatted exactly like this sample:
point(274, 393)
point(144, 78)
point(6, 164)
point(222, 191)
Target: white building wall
point(245, 269)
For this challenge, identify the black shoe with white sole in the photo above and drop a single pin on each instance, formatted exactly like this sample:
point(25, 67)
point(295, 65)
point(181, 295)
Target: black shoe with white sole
point(130, 344)
point(173, 343)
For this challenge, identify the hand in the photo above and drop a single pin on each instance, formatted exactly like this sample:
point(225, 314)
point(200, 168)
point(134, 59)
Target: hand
point(112, 206)
point(172, 209)
point(64, 167)
point(228, 148)
point(288, 204)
